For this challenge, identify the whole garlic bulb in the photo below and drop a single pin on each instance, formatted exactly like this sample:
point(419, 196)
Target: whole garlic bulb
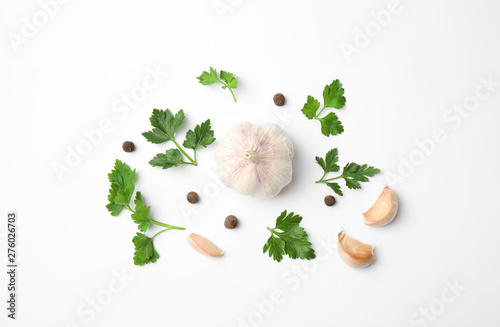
point(255, 160)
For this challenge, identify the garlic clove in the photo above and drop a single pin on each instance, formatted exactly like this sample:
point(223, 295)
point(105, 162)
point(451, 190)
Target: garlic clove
point(384, 210)
point(204, 246)
point(355, 253)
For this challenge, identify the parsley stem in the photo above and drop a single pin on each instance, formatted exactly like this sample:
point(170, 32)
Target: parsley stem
point(163, 230)
point(330, 179)
point(193, 162)
point(166, 225)
point(273, 231)
point(230, 90)
point(157, 222)
point(319, 113)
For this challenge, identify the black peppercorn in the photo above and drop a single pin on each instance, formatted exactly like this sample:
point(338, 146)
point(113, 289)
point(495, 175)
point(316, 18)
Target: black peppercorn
point(230, 222)
point(279, 99)
point(192, 197)
point(329, 200)
point(128, 146)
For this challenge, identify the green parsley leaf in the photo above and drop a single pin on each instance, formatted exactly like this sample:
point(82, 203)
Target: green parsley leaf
point(207, 78)
point(333, 95)
point(141, 214)
point(156, 136)
point(171, 158)
point(352, 173)
point(288, 238)
point(228, 80)
point(144, 250)
point(122, 180)
point(335, 187)
point(331, 125)
point(276, 247)
point(202, 135)
point(165, 125)
point(122, 197)
point(114, 208)
point(310, 107)
point(329, 164)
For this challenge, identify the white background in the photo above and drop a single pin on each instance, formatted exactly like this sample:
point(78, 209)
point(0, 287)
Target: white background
point(70, 73)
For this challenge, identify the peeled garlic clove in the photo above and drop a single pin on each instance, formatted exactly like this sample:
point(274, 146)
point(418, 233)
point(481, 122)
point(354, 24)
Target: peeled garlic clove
point(355, 253)
point(255, 160)
point(384, 210)
point(204, 246)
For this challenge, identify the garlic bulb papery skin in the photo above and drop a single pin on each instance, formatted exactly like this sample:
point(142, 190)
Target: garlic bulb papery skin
point(255, 159)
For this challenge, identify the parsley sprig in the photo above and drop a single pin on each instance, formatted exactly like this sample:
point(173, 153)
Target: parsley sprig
point(122, 179)
point(288, 238)
point(228, 80)
point(141, 216)
point(352, 173)
point(333, 97)
point(165, 125)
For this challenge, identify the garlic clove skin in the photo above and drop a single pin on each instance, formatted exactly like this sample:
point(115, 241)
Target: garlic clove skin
point(384, 210)
point(204, 246)
point(255, 160)
point(355, 253)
